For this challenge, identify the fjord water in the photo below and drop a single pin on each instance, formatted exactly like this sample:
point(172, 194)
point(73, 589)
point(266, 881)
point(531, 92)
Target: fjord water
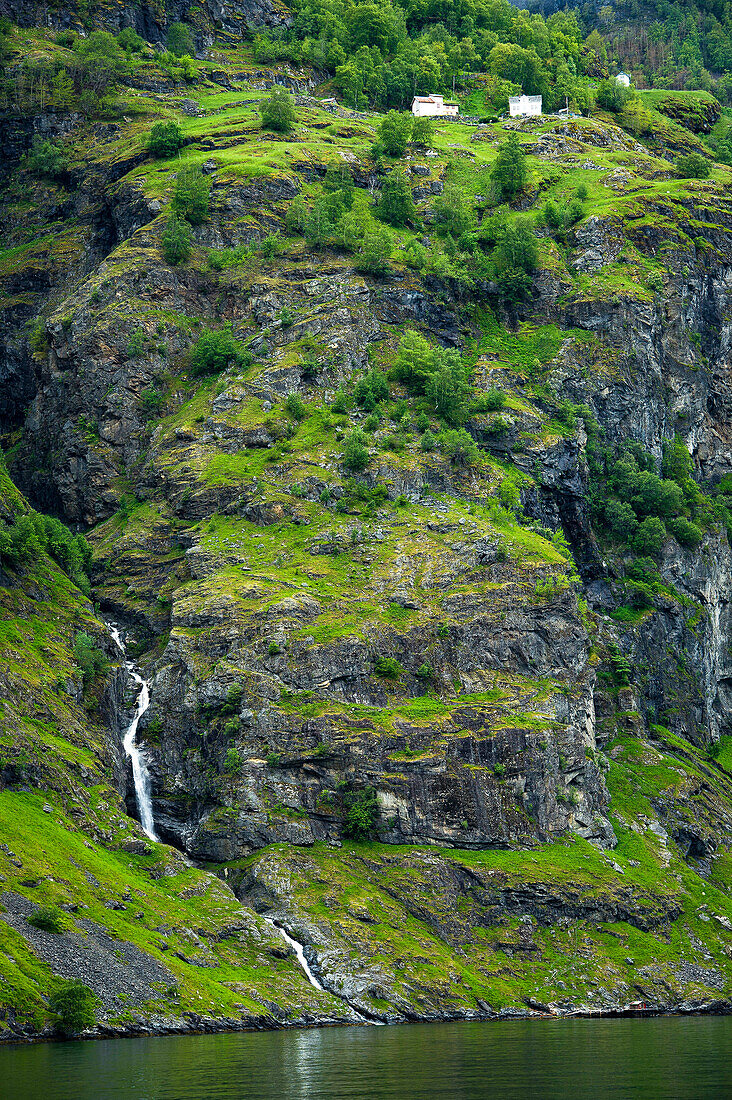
point(655, 1059)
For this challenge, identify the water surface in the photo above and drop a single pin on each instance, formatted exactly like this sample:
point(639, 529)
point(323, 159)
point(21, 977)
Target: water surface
point(656, 1059)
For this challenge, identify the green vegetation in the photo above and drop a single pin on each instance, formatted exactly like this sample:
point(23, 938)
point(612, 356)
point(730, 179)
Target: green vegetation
point(165, 140)
point(48, 918)
point(176, 240)
point(214, 351)
point(191, 194)
point(277, 111)
point(75, 1007)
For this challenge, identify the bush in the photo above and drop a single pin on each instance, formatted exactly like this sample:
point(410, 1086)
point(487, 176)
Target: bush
point(296, 407)
point(388, 667)
point(130, 41)
point(278, 111)
point(686, 532)
point(45, 159)
point(371, 389)
point(362, 813)
point(355, 451)
point(341, 403)
point(165, 139)
point(459, 447)
point(75, 1007)
point(48, 918)
point(396, 205)
point(191, 194)
point(423, 131)
point(428, 442)
point(612, 96)
point(176, 240)
point(374, 252)
point(179, 40)
point(213, 351)
point(394, 132)
point(151, 403)
point(649, 536)
point(89, 657)
point(273, 649)
point(233, 761)
point(424, 672)
point(509, 174)
point(490, 401)
point(693, 166)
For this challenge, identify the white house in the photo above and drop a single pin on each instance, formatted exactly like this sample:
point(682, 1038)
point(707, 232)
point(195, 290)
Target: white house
point(433, 106)
point(624, 79)
point(522, 105)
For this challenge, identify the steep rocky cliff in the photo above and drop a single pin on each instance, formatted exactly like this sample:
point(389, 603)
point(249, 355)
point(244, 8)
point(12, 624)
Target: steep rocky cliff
point(430, 714)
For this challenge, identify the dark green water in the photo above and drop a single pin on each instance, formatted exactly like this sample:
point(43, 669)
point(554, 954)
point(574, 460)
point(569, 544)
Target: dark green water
point(678, 1059)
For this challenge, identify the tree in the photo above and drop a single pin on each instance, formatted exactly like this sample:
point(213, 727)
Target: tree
point(375, 252)
point(165, 139)
point(214, 350)
point(176, 240)
point(449, 390)
point(459, 447)
point(423, 131)
point(612, 96)
point(46, 159)
point(518, 247)
point(396, 205)
point(394, 132)
point(75, 1007)
point(278, 111)
point(130, 40)
point(179, 40)
point(452, 211)
point(693, 166)
point(649, 536)
point(191, 194)
point(509, 173)
point(361, 815)
point(355, 451)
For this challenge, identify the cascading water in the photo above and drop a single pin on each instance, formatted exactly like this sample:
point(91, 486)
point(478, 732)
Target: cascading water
point(140, 773)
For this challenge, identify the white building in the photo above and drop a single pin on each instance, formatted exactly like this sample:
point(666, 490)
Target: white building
point(624, 79)
point(433, 106)
point(521, 105)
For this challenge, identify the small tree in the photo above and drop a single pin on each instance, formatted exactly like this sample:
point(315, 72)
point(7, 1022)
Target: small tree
point(179, 40)
point(75, 1007)
point(459, 447)
point(394, 132)
point(176, 240)
point(693, 166)
point(612, 96)
point(375, 252)
point(46, 159)
point(165, 140)
point(396, 206)
point(423, 131)
point(278, 111)
point(361, 815)
point(191, 195)
point(355, 452)
point(509, 173)
point(213, 351)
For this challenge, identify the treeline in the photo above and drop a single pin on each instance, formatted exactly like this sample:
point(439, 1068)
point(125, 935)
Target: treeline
point(382, 55)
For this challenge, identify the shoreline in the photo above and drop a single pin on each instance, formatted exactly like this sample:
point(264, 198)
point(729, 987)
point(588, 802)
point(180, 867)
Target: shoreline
point(201, 1025)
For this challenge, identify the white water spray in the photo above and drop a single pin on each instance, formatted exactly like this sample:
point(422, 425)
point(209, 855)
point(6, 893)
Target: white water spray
point(140, 773)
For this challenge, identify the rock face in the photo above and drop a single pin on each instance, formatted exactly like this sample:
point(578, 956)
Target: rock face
point(440, 652)
point(151, 20)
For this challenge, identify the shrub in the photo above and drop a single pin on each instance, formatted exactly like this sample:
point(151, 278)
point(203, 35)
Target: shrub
point(423, 131)
point(396, 205)
point(424, 672)
point(89, 657)
point(191, 194)
point(612, 96)
point(355, 451)
point(165, 139)
point(176, 240)
point(361, 814)
point(459, 447)
point(649, 536)
point(686, 532)
point(490, 401)
point(341, 403)
point(693, 166)
point(509, 173)
point(428, 442)
point(278, 111)
point(388, 667)
point(296, 407)
point(75, 1007)
point(273, 649)
point(48, 918)
point(233, 761)
point(46, 159)
point(274, 759)
point(151, 403)
point(394, 132)
point(374, 252)
point(130, 41)
point(213, 351)
point(371, 389)
point(179, 40)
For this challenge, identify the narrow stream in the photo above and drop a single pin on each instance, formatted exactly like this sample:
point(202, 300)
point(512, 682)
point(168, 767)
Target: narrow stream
point(140, 774)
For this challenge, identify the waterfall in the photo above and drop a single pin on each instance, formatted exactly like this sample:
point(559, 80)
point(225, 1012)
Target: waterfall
point(300, 952)
point(140, 773)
